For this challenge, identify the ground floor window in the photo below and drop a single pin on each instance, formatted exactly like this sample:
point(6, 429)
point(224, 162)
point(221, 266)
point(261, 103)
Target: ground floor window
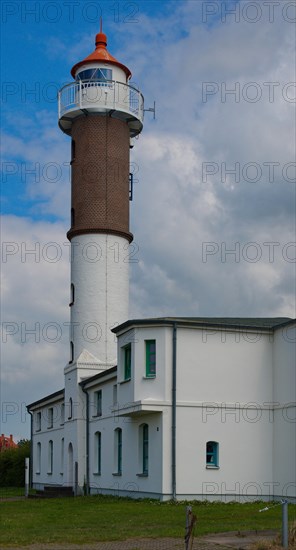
point(50, 457)
point(212, 454)
point(98, 453)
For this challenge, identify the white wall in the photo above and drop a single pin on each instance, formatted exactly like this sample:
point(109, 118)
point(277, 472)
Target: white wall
point(99, 272)
point(284, 450)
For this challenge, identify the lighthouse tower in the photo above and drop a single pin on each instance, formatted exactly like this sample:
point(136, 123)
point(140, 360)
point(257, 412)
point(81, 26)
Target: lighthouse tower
point(101, 112)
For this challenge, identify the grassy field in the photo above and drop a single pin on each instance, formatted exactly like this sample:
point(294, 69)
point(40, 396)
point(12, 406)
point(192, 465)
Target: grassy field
point(93, 519)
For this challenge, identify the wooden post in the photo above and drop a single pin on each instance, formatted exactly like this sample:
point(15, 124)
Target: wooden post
point(190, 523)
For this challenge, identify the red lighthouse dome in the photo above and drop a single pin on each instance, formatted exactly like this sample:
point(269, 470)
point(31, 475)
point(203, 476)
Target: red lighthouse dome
point(100, 55)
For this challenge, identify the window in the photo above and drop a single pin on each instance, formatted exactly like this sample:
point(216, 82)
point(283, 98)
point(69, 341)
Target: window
point(38, 458)
point(70, 409)
point(115, 394)
point(38, 421)
point(72, 217)
point(98, 403)
point(71, 352)
point(50, 417)
point(118, 451)
point(98, 453)
point(145, 447)
point(150, 358)
point(62, 414)
point(127, 362)
point(73, 150)
point(102, 76)
point(50, 457)
point(212, 454)
point(62, 454)
point(72, 295)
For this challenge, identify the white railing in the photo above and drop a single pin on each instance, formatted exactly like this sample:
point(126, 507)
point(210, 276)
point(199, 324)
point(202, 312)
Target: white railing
point(86, 94)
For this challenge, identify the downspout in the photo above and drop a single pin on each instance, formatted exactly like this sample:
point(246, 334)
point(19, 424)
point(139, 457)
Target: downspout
point(174, 410)
point(31, 449)
point(87, 440)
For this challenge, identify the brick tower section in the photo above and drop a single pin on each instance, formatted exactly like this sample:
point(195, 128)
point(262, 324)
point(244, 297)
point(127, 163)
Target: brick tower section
point(100, 177)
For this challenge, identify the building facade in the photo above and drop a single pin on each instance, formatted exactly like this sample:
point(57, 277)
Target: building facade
point(195, 408)
point(162, 408)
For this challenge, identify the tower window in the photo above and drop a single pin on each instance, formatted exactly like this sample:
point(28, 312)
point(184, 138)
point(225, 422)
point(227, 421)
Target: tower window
point(73, 150)
point(150, 358)
point(72, 217)
point(71, 352)
point(212, 454)
point(72, 294)
point(101, 76)
point(70, 408)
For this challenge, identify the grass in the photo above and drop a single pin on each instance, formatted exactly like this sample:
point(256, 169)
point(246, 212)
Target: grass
point(93, 519)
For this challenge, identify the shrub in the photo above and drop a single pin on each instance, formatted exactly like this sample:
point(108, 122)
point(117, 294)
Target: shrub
point(12, 465)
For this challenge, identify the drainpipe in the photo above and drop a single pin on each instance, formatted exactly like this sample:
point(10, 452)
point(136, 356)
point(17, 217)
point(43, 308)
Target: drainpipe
point(31, 450)
point(174, 410)
point(87, 439)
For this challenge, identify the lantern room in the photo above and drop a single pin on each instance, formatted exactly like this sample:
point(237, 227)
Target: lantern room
point(101, 87)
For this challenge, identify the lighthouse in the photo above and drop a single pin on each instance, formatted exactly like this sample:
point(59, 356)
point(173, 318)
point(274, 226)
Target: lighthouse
point(102, 112)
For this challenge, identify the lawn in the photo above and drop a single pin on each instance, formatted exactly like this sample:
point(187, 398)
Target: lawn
point(93, 519)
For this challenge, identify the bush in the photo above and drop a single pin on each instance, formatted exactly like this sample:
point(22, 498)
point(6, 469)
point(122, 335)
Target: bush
point(12, 465)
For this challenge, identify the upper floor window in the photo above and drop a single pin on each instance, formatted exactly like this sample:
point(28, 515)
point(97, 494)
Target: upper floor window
point(127, 362)
point(212, 454)
point(115, 395)
point(98, 403)
point(50, 417)
point(101, 76)
point(38, 421)
point(150, 358)
point(62, 414)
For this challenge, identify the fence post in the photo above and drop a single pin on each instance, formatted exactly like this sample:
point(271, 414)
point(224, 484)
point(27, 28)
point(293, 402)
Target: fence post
point(285, 530)
point(27, 471)
point(190, 523)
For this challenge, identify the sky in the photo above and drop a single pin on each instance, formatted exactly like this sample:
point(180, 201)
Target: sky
point(213, 214)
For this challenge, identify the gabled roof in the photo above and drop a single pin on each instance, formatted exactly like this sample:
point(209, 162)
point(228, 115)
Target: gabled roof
point(52, 397)
point(261, 323)
point(99, 376)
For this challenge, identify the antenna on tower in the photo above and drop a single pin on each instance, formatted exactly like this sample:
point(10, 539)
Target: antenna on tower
point(101, 24)
point(151, 110)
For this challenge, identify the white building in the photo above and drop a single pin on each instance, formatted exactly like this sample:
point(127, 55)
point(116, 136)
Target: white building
point(169, 407)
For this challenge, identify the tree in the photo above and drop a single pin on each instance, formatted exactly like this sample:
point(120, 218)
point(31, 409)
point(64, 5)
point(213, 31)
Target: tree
point(12, 465)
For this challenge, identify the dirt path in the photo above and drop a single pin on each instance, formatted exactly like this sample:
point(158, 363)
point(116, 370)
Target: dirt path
point(223, 541)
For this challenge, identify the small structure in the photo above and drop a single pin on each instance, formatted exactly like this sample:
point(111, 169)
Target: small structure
point(7, 443)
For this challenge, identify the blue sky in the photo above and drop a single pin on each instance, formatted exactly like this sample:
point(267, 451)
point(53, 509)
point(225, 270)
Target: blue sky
point(214, 208)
